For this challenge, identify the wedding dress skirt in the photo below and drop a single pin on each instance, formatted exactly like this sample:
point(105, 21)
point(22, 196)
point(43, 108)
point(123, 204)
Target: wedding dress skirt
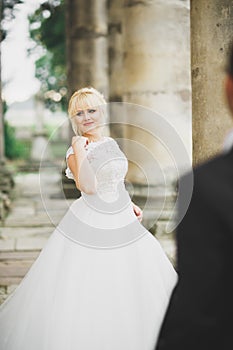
point(101, 282)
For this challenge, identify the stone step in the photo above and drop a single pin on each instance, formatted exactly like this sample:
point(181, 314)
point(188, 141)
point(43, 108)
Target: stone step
point(9, 281)
point(14, 266)
point(34, 221)
point(19, 255)
point(19, 232)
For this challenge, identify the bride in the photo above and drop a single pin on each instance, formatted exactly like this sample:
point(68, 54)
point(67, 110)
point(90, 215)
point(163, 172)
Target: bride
point(102, 281)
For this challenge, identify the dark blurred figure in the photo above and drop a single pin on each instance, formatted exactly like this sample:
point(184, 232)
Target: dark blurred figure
point(200, 313)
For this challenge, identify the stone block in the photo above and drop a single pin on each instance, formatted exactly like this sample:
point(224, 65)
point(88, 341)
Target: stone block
point(7, 244)
point(31, 243)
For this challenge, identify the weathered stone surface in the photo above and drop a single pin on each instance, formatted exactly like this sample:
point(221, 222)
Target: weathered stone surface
point(14, 269)
point(36, 221)
point(115, 53)
point(87, 44)
point(19, 255)
point(7, 244)
point(157, 71)
point(8, 281)
point(211, 32)
point(13, 232)
point(31, 243)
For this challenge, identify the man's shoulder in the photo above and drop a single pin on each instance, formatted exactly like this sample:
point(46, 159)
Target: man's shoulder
point(217, 165)
point(211, 175)
point(213, 181)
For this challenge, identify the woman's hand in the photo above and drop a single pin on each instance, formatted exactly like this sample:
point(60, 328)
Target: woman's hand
point(137, 211)
point(79, 142)
point(80, 167)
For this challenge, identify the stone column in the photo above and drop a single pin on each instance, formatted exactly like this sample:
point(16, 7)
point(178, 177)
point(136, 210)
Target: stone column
point(87, 59)
point(86, 53)
point(115, 54)
point(115, 49)
point(211, 32)
point(157, 76)
point(157, 61)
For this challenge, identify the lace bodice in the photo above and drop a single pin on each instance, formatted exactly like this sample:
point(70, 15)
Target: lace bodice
point(109, 163)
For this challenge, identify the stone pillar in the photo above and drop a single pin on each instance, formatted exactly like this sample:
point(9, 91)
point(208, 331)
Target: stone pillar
point(157, 76)
point(115, 54)
point(87, 55)
point(157, 62)
point(115, 49)
point(211, 32)
point(87, 46)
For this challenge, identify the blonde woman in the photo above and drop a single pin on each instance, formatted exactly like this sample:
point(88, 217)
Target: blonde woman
point(102, 281)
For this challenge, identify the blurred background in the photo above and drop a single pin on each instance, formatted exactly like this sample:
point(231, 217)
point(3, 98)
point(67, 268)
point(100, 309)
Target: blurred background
point(165, 58)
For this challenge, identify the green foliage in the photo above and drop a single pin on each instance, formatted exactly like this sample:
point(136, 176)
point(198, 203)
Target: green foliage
point(13, 147)
point(47, 29)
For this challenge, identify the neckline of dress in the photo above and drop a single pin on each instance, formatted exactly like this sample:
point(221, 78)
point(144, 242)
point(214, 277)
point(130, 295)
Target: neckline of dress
point(104, 139)
point(92, 144)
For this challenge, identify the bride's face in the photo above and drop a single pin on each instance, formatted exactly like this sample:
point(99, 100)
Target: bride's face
point(88, 119)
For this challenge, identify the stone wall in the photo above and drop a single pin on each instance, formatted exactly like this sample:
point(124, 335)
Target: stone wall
point(212, 30)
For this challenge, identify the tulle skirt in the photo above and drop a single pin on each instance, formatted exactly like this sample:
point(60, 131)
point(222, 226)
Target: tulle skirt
point(83, 296)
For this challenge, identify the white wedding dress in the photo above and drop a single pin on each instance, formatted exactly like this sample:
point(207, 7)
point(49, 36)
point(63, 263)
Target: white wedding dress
point(101, 282)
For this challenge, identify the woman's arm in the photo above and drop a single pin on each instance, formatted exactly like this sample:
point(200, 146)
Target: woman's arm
point(80, 167)
point(137, 211)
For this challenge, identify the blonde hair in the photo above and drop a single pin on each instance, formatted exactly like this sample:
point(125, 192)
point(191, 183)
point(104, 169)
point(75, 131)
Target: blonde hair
point(84, 98)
